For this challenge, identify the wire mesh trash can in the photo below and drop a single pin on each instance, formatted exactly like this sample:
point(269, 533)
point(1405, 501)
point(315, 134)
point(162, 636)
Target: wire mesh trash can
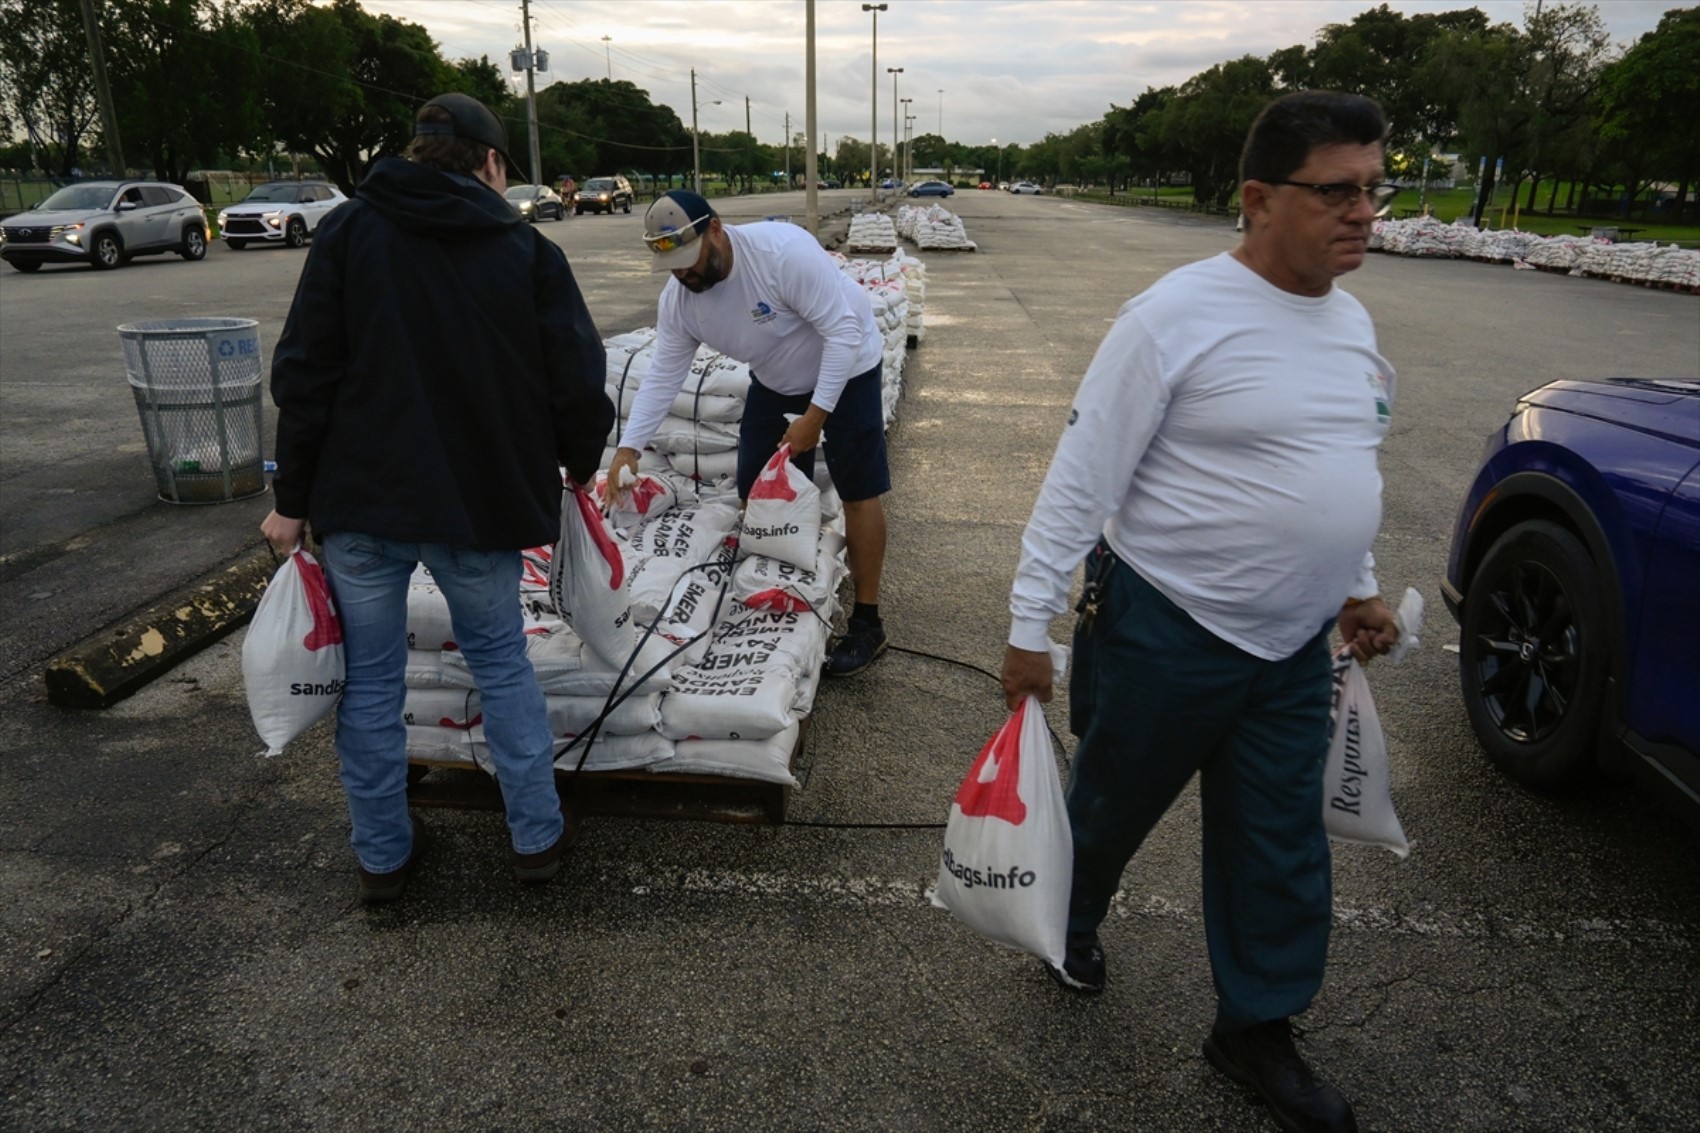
point(197, 386)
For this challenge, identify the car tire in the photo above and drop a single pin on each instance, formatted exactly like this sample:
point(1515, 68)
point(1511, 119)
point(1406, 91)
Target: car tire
point(628, 209)
point(194, 245)
point(25, 266)
point(1533, 656)
point(237, 245)
point(295, 232)
point(107, 251)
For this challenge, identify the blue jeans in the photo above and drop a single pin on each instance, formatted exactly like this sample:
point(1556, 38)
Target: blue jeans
point(369, 578)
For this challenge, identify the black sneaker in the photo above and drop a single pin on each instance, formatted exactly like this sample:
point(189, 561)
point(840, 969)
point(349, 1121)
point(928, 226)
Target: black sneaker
point(1083, 969)
point(382, 888)
point(1262, 1058)
point(856, 650)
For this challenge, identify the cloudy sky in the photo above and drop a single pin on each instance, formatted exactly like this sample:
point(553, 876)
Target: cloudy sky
point(1013, 70)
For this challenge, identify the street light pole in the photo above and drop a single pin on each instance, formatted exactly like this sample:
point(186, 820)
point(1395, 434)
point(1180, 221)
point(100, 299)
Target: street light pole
point(904, 165)
point(696, 157)
point(941, 112)
point(606, 40)
point(894, 72)
point(874, 111)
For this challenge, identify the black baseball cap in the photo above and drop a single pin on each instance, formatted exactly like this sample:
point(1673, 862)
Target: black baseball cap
point(471, 120)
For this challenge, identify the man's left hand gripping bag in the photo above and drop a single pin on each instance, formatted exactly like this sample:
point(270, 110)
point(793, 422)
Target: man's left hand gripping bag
point(292, 659)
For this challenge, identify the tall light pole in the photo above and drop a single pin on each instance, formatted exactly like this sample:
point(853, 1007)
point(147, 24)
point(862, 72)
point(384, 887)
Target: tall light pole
point(894, 72)
point(874, 111)
point(999, 181)
point(606, 40)
point(941, 112)
point(531, 62)
point(696, 158)
point(904, 165)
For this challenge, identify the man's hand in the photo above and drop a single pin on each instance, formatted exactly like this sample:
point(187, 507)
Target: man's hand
point(804, 433)
point(623, 467)
point(1368, 628)
point(1025, 671)
point(283, 533)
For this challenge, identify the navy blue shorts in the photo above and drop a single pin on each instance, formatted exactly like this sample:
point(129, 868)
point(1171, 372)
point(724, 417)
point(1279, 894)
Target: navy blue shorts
point(854, 432)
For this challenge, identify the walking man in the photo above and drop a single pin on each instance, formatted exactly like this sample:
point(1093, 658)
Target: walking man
point(1218, 474)
point(437, 371)
point(768, 295)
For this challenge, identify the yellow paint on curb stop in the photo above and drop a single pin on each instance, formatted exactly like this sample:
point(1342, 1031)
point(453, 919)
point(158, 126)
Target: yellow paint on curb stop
point(152, 644)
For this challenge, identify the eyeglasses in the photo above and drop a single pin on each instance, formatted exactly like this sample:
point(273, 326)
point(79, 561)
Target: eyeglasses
point(667, 241)
point(1341, 195)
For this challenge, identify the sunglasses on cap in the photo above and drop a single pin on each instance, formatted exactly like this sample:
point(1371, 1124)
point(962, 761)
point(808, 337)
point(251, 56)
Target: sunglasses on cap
point(678, 238)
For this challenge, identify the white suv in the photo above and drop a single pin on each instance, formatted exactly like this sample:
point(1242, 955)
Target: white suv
point(283, 212)
point(103, 224)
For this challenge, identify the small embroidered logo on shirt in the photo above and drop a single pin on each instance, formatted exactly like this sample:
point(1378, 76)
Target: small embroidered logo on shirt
point(1383, 408)
point(762, 313)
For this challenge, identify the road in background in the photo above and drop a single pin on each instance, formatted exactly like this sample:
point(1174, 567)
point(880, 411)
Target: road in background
point(177, 947)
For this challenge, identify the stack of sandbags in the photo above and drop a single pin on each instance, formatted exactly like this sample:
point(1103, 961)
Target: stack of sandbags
point(1557, 253)
point(932, 227)
point(699, 436)
point(1647, 263)
point(1665, 265)
point(871, 232)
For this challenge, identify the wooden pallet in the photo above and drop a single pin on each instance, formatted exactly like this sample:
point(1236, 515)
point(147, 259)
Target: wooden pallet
point(636, 793)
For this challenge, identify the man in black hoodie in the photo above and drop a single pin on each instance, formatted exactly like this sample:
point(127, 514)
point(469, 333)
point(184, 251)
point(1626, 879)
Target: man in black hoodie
point(437, 371)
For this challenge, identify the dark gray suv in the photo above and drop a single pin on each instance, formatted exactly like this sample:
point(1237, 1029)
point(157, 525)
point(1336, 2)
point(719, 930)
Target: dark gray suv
point(105, 223)
point(603, 194)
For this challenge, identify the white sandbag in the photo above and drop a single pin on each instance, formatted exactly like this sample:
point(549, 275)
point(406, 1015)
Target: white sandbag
point(644, 496)
point(571, 716)
point(688, 404)
point(428, 623)
point(728, 704)
point(698, 602)
point(292, 657)
point(678, 435)
point(762, 583)
point(424, 669)
point(766, 759)
point(438, 745)
point(1008, 858)
point(1357, 795)
point(616, 753)
point(762, 639)
point(441, 707)
point(534, 580)
point(598, 681)
point(551, 647)
point(782, 517)
point(671, 543)
point(648, 459)
point(705, 466)
point(588, 586)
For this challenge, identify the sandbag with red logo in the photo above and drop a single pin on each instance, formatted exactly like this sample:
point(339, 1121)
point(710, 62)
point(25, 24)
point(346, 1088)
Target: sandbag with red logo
point(292, 660)
point(587, 585)
point(1008, 858)
point(782, 517)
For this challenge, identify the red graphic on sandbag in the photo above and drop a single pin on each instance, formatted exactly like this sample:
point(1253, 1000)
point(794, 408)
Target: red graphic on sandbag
point(777, 600)
point(327, 628)
point(992, 788)
point(773, 483)
point(645, 492)
point(592, 516)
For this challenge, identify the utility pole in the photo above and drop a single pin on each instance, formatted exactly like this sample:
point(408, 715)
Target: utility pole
point(696, 156)
point(810, 186)
point(874, 107)
point(606, 40)
point(530, 92)
point(787, 149)
point(103, 92)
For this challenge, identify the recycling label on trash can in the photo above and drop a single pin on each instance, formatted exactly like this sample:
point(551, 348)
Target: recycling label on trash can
point(235, 344)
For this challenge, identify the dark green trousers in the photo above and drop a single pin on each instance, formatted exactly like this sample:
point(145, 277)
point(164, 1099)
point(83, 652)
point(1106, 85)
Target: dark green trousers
point(1155, 698)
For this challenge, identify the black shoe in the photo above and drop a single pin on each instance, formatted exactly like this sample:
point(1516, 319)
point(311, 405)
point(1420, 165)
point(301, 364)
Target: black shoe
point(382, 888)
point(857, 649)
point(1263, 1059)
point(1083, 965)
point(535, 869)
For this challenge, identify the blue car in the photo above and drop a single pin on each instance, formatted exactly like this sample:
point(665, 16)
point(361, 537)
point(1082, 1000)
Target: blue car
point(931, 189)
point(1575, 579)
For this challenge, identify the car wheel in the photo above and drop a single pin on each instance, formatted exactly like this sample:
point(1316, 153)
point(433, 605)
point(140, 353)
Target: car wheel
point(237, 245)
point(194, 246)
point(25, 265)
point(1532, 656)
point(295, 232)
point(628, 209)
point(107, 252)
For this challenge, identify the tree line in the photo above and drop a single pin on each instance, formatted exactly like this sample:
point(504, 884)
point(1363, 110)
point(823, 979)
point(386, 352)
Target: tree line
point(222, 83)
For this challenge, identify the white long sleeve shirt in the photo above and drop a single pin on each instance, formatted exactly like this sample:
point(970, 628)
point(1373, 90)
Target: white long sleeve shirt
point(1224, 443)
point(800, 324)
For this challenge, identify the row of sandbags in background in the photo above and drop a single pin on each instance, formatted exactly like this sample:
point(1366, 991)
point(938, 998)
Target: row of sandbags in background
point(1664, 265)
point(747, 636)
point(871, 232)
point(933, 228)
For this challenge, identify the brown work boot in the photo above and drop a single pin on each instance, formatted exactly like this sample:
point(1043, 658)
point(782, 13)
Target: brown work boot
point(535, 869)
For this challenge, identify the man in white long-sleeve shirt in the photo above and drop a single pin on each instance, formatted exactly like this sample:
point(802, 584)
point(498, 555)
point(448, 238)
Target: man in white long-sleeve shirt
point(768, 295)
point(1218, 475)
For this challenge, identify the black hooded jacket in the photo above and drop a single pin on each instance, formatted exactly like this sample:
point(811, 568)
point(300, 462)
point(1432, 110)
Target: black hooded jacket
point(437, 369)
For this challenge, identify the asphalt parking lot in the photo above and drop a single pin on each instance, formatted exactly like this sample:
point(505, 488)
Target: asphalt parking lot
point(178, 947)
